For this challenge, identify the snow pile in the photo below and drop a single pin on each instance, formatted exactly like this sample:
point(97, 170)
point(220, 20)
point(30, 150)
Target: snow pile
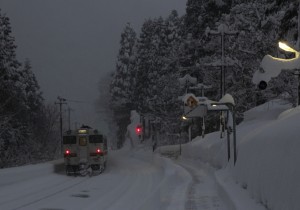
point(132, 139)
point(210, 149)
point(227, 98)
point(267, 167)
point(268, 162)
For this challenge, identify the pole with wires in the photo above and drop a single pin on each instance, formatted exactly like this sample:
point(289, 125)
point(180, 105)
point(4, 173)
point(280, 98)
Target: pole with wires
point(222, 31)
point(60, 102)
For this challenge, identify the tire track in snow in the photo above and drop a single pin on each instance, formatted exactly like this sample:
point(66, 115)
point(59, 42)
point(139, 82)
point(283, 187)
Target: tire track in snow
point(202, 193)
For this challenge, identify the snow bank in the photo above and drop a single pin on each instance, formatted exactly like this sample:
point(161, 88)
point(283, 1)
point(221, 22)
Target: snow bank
point(210, 149)
point(132, 139)
point(267, 167)
point(236, 197)
point(268, 163)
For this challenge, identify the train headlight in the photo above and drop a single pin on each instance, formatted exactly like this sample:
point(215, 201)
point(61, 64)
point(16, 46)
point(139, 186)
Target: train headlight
point(82, 131)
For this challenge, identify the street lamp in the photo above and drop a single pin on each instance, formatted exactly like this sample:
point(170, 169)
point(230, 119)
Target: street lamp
point(271, 67)
point(222, 31)
point(287, 48)
point(184, 118)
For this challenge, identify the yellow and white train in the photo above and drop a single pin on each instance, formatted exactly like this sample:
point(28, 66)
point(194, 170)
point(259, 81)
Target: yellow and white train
point(85, 150)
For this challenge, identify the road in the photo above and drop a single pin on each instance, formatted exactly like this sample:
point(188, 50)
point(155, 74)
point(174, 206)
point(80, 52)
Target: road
point(131, 181)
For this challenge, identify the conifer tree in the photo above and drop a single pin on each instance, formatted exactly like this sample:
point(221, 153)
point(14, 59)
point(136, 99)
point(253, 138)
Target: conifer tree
point(147, 61)
point(10, 100)
point(21, 107)
point(122, 84)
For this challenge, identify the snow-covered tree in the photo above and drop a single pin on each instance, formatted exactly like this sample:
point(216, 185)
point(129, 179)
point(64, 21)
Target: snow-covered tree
point(22, 119)
point(150, 52)
point(169, 49)
point(10, 103)
point(121, 85)
point(121, 88)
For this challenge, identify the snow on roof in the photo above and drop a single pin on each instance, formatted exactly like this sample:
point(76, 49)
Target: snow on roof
point(187, 96)
point(227, 98)
point(187, 78)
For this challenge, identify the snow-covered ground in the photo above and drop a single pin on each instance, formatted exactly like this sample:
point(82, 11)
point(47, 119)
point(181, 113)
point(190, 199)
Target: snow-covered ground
point(265, 175)
point(136, 180)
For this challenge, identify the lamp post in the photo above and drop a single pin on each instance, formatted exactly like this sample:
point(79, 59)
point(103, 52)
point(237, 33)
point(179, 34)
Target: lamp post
point(222, 31)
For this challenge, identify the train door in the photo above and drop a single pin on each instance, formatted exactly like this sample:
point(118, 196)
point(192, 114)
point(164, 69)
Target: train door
point(83, 149)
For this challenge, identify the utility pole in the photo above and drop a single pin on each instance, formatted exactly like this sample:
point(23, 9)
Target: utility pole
point(298, 41)
point(297, 72)
point(60, 102)
point(222, 31)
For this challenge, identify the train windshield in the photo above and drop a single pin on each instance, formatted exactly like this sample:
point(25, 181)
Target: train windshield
point(95, 139)
point(69, 140)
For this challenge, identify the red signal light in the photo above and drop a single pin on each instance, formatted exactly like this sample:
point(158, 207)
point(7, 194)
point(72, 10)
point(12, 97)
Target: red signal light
point(98, 151)
point(138, 130)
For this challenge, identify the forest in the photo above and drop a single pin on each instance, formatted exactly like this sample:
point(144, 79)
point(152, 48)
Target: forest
point(150, 62)
point(28, 126)
point(148, 66)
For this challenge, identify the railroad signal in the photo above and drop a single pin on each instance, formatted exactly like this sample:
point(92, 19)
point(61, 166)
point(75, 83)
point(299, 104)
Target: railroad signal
point(138, 130)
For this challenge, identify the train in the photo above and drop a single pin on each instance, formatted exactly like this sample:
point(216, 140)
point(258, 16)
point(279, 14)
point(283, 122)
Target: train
point(85, 151)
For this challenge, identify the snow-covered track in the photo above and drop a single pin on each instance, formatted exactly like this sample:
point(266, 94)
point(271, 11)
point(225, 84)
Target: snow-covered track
point(38, 196)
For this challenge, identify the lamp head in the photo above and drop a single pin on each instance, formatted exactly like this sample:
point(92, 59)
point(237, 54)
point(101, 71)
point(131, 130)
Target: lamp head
point(184, 117)
point(285, 47)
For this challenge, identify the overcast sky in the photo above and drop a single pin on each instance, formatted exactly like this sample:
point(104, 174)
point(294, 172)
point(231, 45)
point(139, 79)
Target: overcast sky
point(73, 44)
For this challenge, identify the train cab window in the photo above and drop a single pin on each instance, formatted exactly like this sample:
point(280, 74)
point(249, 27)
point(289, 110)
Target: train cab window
point(95, 139)
point(82, 141)
point(69, 140)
